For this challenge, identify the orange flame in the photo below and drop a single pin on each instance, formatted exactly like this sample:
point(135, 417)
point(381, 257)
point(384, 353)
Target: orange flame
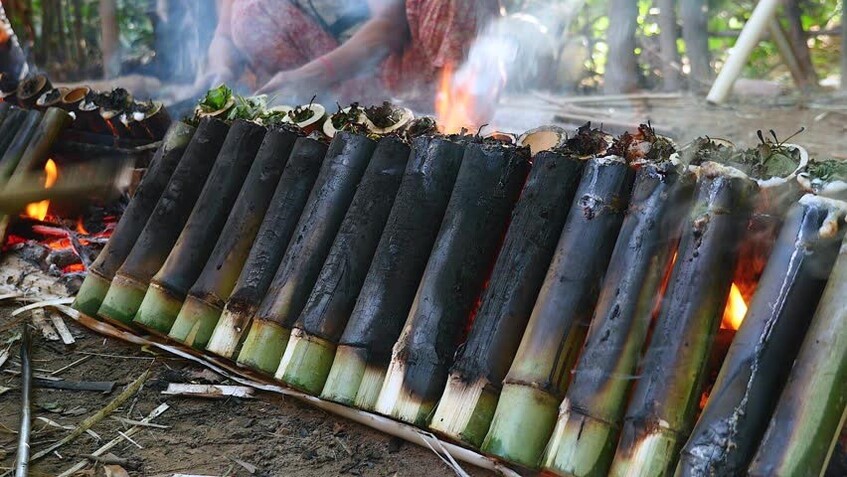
point(465, 99)
point(38, 210)
point(80, 227)
point(736, 309)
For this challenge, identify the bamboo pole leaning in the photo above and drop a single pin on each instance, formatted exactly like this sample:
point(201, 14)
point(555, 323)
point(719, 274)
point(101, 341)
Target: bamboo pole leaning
point(487, 186)
point(532, 389)
point(10, 126)
point(346, 160)
point(665, 398)
point(165, 223)
point(311, 348)
point(102, 271)
point(12, 156)
point(202, 308)
point(755, 369)
point(813, 404)
point(271, 241)
point(364, 350)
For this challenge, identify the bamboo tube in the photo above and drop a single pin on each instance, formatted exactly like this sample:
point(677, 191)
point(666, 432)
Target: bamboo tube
point(267, 251)
point(386, 296)
point(9, 128)
point(102, 271)
point(342, 169)
point(72, 98)
point(664, 400)
point(583, 441)
point(756, 367)
point(12, 157)
point(311, 348)
point(487, 187)
point(535, 383)
point(165, 223)
point(31, 88)
point(4, 111)
point(37, 151)
point(170, 285)
point(811, 409)
point(206, 298)
point(467, 405)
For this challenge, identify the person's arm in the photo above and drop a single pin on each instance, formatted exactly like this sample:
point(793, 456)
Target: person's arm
point(385, 33)
point(225, 62)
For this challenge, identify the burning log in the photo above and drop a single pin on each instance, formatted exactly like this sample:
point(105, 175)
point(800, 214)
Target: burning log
point(386, 296)
point(102, 271)
point(487, 187)
point(270, 244)
point(311, 348)
point(755, 369)
point(342, 169)
point(12, 157)
point(811, 408)
point(533, 387)
point(465, 410)
point(169, 286)
point(198, 316)
point(666, 395)
point(165, 223)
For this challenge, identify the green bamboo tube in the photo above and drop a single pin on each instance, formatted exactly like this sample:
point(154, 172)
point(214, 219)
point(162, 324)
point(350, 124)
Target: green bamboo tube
point(813, 405)
point(168, 288)
point(665, 398)
point(536, 381)
point(12, 157)
point(763, 350)
point(102, 271)
point(165, 223)
point(267, 251)
point(311, 348)
point(347, 157)
point(35, 155)
point(10, 126)
point(206, 298)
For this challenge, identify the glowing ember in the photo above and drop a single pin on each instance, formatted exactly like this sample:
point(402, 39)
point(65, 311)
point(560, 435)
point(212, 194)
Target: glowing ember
point(38, 210)
point(735, 310)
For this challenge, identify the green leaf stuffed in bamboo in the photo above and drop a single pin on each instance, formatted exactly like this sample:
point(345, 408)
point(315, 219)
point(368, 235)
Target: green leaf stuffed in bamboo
point(169, 286)
point(311, 348)
point(364, 350)
point(667, 393)
point(270, 244)
point(487, 187)
point(206, 298)
point(813, 405)
point(165, 223)
point(346, 160)
point(760, 357)
point(533, 387)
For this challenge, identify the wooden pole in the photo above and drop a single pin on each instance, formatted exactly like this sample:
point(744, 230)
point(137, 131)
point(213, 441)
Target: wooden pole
point(843, 48)
point(109, 37)
point(786, 51)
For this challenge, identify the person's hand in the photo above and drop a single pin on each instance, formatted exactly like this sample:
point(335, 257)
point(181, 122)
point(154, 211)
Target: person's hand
point(291, 87)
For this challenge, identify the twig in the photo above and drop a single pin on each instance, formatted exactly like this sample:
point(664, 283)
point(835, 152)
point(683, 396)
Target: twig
point(209, 390)
point(133, 422)
point(65, 368)
point(136, 444)
point(22, 463)
point(62, 329)
point(99, 386)
point(39, 319)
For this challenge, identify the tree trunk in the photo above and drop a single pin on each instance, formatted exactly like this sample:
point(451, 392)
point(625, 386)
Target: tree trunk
point(60, 9)
point(667, 42)
point(109, 38)
point(79, 41)
point(622, 66)
point(797, 37)
point(696, 35)
point(844, 48)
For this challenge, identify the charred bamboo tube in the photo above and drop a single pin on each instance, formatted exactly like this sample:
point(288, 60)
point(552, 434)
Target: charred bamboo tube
point(31, 88)
point(666, 395)
point(311, 348)
point(4, 111)
point(586, 431)
point(165, 223)
point(342, 169)
point(811, 408)
point(185, 262)
point(53, 122)
point(756, 367)
point(206, 298)
point(74, 97)
point(273, 238)
point(10, 126)
point(386, 296)
point(533, 387)
point(12, 157)
point(467, 405)
point(102, 271)
point(487, 187)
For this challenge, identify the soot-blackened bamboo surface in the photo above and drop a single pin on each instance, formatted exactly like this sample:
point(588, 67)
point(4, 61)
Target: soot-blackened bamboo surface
point(17, 146)
point(8, 129)
point(53, 123)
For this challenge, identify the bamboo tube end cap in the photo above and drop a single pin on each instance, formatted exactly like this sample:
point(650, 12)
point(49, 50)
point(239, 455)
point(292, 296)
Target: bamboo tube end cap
point(158, 309)
point(195, 323)
point(263, 347)
point(306, 362)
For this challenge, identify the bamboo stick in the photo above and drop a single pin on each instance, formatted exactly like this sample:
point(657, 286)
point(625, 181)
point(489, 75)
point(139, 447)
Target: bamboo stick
point(756, 367)
point(664, 399)
point(267, 251)
point(165, 223)
point(487, 187)
point(207, 296)
point(386, 296)
point(467, 405)
point(168, 288)
point(811, 409)
point(342, 169)
point(533, 387)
